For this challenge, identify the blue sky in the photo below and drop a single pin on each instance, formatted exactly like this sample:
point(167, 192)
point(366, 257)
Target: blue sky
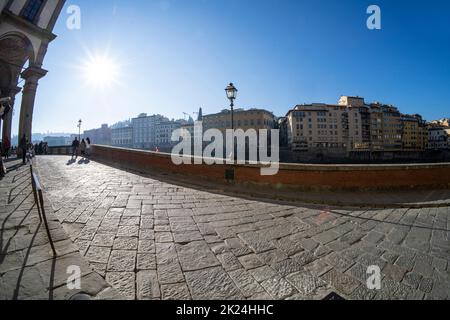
point(174, 56)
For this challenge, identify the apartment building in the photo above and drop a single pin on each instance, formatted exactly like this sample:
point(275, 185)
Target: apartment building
point(414, 133)
point(163, 132)
point(283, 127)
point(122, 136)
point(144, 130)
point(376, 129)
point(354, 125)
point(243, 119)
point(317, 125)
point(100, 136)
point(386, 127)
point(359, 122)
point(345, 126)
point(445, 122)
point(438, 137)
point(382, 126)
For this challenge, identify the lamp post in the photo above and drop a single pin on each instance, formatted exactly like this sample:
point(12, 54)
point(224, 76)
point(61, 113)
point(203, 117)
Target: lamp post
point(231, 95)
point(79, 129)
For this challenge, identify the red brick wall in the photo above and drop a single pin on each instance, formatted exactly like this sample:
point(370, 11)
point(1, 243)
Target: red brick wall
point(304, 177)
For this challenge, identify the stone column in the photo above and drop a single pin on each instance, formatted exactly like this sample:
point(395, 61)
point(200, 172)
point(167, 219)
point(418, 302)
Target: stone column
point(31, 76)
point(6, 132)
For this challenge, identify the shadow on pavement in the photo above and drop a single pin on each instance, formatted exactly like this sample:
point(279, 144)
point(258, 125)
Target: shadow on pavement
point(84, 161)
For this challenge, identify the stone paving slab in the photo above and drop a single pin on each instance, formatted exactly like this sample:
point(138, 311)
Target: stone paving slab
point(28, 270)
point(152, 239)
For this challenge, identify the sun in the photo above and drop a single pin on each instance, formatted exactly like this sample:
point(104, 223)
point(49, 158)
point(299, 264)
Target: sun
point(101, 72)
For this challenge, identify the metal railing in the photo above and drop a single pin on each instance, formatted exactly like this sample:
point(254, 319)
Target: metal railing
point(39, 201)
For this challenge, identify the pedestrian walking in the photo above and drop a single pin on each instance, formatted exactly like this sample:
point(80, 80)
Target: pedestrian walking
point(23, 145)
point(6, 147)
point(83, 148)
point(88, 147)
point(2, 166)
point(75, 146)
point(30, 153)
point(40, 148)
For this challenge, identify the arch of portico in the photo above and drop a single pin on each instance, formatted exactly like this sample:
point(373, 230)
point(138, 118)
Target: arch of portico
point(25, 34)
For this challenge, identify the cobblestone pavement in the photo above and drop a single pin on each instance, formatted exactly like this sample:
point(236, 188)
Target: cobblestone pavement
point(154, 240)
point(27, 267)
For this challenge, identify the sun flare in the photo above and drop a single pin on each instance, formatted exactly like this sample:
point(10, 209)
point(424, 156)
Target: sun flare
point(101, 72)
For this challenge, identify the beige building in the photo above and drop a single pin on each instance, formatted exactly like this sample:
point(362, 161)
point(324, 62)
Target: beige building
point(344, 126)
point(317, 125)
point(358, 122)
point(414, 133)
point(354, 125)
point(445, 122)
point(386, 127)
point(243, 119)
point(25, 33)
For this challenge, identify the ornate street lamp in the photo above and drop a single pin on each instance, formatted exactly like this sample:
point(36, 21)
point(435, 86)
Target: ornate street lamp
point(79, 129)
point(231, 95)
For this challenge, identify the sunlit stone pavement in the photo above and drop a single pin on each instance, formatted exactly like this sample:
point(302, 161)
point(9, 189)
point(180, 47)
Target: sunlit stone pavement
point(28, 269)
point(154, 240)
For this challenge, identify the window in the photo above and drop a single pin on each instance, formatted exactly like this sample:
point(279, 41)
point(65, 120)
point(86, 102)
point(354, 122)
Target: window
point(31, 9)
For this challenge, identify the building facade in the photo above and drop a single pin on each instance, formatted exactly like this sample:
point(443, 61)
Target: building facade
point(58, 141)
point(163, 133)
point(438, 137)
point(243, 119)
point(100, 136)
point(283, 127)
point(385, 127)
point(25, 33)
point(445, 122)
point(122, 137)
point(414, 133)
point(353, 125)
point(318, 126)
point(144, 130)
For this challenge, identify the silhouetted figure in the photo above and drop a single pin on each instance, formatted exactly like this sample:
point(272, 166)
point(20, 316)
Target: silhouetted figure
point(6, 147)
point(75, 145)
point(83, 148)
point(23, 145)
point(30, 153)
point(88, 147)
point(40, 148)
point(2, 167)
